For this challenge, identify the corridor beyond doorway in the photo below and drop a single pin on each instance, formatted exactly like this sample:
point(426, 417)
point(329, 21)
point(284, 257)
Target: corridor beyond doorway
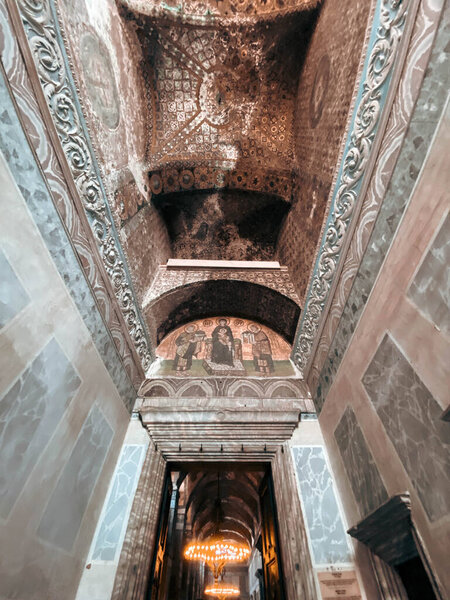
point(203, 502)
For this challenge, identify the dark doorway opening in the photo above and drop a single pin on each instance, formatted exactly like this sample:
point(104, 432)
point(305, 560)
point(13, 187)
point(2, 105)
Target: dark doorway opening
point(202, 501)
point(415, 579)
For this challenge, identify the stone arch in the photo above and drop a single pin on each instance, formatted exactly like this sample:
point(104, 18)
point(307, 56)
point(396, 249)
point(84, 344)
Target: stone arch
point(204, 299)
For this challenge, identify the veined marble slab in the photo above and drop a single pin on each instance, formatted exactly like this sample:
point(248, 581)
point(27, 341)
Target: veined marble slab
point(112, 524)
point(412, 420)
point(430, 289)
point(29, 414)
point(326, 529)
point(62, 518)
point(13, 297)
point(362, 471)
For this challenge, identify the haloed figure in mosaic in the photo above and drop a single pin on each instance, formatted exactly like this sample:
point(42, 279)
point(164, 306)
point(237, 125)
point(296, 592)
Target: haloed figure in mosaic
point(261, 349)
point(189, 343)
point(222, 344)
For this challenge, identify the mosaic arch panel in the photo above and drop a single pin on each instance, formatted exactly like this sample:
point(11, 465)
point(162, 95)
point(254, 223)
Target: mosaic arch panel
point(223, 346)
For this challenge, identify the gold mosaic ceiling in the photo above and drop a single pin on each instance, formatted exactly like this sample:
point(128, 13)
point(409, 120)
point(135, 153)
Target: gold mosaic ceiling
point(213, 10)
point(223, 99)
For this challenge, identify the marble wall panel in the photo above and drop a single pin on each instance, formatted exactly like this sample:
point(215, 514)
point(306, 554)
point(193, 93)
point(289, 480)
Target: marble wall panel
point(112, 523)
point(412, 420)
point(13, 297)
point(326, 529)
point(32, 186)
point(424, 121)
point(62, 517)
point(430, 289)
point(29, 414)
point(365, 480)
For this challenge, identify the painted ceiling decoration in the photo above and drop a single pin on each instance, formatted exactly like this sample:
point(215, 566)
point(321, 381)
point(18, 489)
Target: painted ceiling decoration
point(360, 149)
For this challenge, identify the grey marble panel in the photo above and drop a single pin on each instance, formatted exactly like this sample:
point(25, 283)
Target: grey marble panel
point(13, 297)
point(412, 419)
point(430, 104)
point(26, 173)
point(29, 414)
point(62, 517)
point(325, 526)
point(430, 289)
point(112, 525)
point(363, 474)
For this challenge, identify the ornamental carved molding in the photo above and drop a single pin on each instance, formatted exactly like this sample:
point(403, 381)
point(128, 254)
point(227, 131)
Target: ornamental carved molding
point(168, 279)
point(398, 128)
point(358, 157)
point(273, 388)
point(42, 30)
point(226, 11)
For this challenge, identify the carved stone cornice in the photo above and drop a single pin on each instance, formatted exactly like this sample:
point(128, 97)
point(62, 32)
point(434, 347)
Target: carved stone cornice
point(388, 530)
point(370, 113)
point(270, 388)
point(45, 41)
point(219, 428)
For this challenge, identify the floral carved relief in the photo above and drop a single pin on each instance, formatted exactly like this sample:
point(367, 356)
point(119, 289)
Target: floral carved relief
point(42, 30)
point(381, 57)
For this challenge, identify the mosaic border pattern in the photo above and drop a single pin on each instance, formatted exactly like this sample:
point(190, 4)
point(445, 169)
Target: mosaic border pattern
point(387, 32)
point(44, 37)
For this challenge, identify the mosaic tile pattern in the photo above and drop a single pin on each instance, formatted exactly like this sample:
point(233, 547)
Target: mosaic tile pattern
point(35, 193)
point(412, 420)
point(317, 139)
point(62, 518)
point(425, 119)
point(13, 297)
point(29, 414)
point(211, 9)
point(325, 526)
point(215, 91)
point(362, 472)
point(113, 521)
point(430, 289)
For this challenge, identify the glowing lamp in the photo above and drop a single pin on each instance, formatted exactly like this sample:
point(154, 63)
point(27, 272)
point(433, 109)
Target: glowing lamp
point(216, 553)
point(222, 590)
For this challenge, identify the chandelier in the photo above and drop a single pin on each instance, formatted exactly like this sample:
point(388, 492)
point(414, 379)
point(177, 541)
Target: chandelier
point(222, 590)
point(217, 551)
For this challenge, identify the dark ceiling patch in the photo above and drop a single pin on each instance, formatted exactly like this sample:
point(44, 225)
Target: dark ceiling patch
point(223, 225)
point(223, 297)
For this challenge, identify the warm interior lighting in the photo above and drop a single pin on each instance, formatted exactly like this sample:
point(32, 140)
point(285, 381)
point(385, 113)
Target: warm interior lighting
point(216, 553)
point(222, 590)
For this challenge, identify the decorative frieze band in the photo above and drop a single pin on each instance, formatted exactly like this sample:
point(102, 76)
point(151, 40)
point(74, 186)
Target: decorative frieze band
point(42, 30)
point(168, 279)
point(383, 49)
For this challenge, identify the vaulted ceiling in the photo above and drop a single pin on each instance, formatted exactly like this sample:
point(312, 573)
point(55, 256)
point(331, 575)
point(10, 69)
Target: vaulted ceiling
point(204, 117)
point(237, 515)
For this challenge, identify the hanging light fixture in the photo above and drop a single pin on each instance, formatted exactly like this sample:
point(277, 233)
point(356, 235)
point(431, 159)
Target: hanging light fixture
point(222, 591)
point(217, 552)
